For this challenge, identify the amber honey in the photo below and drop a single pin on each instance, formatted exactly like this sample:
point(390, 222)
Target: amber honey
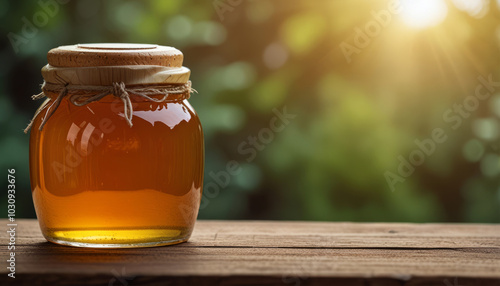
point(98, 182)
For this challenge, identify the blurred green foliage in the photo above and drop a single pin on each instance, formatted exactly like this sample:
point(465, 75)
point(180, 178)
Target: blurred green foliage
point(352, 120)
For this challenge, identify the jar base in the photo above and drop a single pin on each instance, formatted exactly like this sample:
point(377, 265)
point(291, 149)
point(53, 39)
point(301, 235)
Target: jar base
point(117, 238)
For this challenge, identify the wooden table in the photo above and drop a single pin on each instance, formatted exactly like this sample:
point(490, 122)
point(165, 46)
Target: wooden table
point(272, 253)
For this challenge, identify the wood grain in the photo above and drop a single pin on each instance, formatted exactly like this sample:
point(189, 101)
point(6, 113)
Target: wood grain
point(273, 253)
point(95, 55)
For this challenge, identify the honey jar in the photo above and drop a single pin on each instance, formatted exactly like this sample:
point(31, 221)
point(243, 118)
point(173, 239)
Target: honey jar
point(116, 150)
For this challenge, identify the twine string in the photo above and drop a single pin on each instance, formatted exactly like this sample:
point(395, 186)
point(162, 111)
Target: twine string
point(50, 110)
point(118, 89)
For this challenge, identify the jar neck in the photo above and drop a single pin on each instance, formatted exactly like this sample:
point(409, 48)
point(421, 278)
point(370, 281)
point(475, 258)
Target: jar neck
point(82, 97)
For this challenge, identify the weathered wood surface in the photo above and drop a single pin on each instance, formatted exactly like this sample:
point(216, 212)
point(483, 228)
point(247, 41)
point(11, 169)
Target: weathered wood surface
point(272, 253)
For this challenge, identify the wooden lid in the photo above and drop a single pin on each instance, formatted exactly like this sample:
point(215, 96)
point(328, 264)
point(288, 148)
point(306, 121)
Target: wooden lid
point(94, 55)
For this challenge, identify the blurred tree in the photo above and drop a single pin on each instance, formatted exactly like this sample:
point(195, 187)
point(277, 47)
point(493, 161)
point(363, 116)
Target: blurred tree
point(354, 118)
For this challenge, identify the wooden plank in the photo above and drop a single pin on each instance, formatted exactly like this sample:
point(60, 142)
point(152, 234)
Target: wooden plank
point(319, 234)
point(273, 253)
point(101, 280)
point(394, 263)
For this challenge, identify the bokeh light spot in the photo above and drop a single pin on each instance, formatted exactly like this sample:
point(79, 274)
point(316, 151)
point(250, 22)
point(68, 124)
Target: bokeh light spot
point(490, 165)
point(302, 32)
point(421, 14)
point(259, 11)
point(128, 14)
point(475, 8)
point(179, 27)
point(249, 178)
point(238, 75)
point(486, 129)
point(213, 33)
point(275, 56)
point(473, 150)
point(495, 104)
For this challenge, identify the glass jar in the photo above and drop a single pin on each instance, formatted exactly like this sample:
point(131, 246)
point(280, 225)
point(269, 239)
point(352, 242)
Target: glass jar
point(119, 169)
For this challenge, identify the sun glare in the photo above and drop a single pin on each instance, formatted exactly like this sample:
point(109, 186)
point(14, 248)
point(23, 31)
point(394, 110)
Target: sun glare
point(422, 14)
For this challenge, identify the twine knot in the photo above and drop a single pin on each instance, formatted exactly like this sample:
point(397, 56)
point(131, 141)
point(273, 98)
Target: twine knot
point(120, 92)
point(119, 89)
